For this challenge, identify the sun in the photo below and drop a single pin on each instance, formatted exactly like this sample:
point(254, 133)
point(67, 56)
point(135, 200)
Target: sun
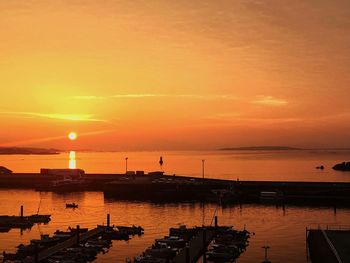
point(72, 136)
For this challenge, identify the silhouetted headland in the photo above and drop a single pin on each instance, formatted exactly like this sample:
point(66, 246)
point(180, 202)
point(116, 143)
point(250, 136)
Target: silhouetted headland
point(261, 148)
point(20, 150)
point(344, 166)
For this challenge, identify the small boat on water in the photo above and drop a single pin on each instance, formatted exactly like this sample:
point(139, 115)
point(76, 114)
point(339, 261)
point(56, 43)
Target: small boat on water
point(131, 230)
point(71, 205)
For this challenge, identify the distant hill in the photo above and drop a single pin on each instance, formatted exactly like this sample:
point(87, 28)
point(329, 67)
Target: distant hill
point(261, 148)
point(20, 150)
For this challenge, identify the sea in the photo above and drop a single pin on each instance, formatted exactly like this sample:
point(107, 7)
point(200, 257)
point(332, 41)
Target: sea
point(283, 229)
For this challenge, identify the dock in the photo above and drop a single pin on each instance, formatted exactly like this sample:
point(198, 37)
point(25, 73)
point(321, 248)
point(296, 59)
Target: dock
point(169, 188)
point(23, 222)
point(75, 245)
point(328, 245)
point(196, 247)
point(65, 244)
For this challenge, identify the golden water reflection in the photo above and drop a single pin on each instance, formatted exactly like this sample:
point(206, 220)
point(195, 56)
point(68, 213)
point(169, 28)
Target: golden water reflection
point(72, 161)
point(275, 226)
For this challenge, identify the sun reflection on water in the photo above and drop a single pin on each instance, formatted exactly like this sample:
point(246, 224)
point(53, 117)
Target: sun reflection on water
point(72, 161)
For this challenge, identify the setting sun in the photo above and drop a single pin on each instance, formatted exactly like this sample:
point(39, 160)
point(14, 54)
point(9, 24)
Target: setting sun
point(72, 136)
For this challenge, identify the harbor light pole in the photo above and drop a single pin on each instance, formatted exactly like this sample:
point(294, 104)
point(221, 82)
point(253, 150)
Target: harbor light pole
point(266, 260)
point(203, 169)
point(126, 164)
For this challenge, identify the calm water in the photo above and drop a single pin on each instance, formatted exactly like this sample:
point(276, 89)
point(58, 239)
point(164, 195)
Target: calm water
point(282, 229)
point(245, 165)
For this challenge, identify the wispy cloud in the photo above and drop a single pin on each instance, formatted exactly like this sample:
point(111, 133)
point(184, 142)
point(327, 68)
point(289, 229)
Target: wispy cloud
point(156, 95)
point(51, 138)
point(58, 116)
point(269, 101)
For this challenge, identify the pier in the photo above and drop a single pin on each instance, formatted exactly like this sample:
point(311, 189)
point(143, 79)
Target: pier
point(23, 222)
point(159, 187)
point(80, 237)
point(328, 245)
point(196, 246)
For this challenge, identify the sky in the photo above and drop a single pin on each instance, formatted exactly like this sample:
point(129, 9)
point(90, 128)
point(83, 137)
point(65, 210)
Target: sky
point(150, 75)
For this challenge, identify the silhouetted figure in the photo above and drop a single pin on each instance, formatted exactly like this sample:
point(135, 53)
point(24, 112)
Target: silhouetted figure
point(161, 162)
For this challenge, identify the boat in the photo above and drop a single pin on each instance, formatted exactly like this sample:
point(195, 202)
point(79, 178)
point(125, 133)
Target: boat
point(148, 259)
point(81, 229)
point(162, 252)
point(68, 184)
point(111, 234)
point(219, 256)
point(46, 240)
point(172, 241)
point(39, 218)
point(71, 205)
point(131, 230)
point(4, 229)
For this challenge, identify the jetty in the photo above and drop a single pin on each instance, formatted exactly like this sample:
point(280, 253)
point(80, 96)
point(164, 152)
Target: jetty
point(7, 222)
point(75, 240)
point(328, 245)
point(196, 247)
point(156, 186)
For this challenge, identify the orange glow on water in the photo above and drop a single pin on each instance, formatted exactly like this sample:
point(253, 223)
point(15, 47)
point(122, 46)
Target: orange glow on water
point(72, 160)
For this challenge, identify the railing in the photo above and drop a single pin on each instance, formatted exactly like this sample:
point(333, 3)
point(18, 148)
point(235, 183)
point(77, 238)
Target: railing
point(328, 227)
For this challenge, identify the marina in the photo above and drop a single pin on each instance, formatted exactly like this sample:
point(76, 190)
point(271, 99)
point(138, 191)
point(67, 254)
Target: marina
point(75, 245)
point(262, 219)
point(187, 245)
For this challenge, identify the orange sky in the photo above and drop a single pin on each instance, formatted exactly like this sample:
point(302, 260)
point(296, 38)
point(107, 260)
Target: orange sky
point(131, 75)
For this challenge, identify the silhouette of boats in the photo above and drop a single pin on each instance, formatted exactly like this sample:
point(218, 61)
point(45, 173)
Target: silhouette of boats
point(71, 205)
point(66, 184)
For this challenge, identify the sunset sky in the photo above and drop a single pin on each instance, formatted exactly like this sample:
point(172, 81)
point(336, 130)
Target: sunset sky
point(160, 74)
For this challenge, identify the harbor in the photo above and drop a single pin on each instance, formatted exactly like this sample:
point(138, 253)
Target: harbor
point(163, 201)
point(159, 187)
point(156, 219)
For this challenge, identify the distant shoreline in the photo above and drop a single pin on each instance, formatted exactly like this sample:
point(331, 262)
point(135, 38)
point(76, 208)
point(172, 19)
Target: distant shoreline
point(27, 151)
point(261, 148)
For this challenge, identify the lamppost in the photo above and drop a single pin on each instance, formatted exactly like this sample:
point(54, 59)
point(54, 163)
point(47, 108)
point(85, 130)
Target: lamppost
point(126, 164)
point(266, 260)
point(203, 169)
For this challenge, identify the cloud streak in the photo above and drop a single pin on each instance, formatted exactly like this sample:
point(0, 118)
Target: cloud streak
point(269, 101)
point(57, 116)
point(49, 139)
point(156, 95)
